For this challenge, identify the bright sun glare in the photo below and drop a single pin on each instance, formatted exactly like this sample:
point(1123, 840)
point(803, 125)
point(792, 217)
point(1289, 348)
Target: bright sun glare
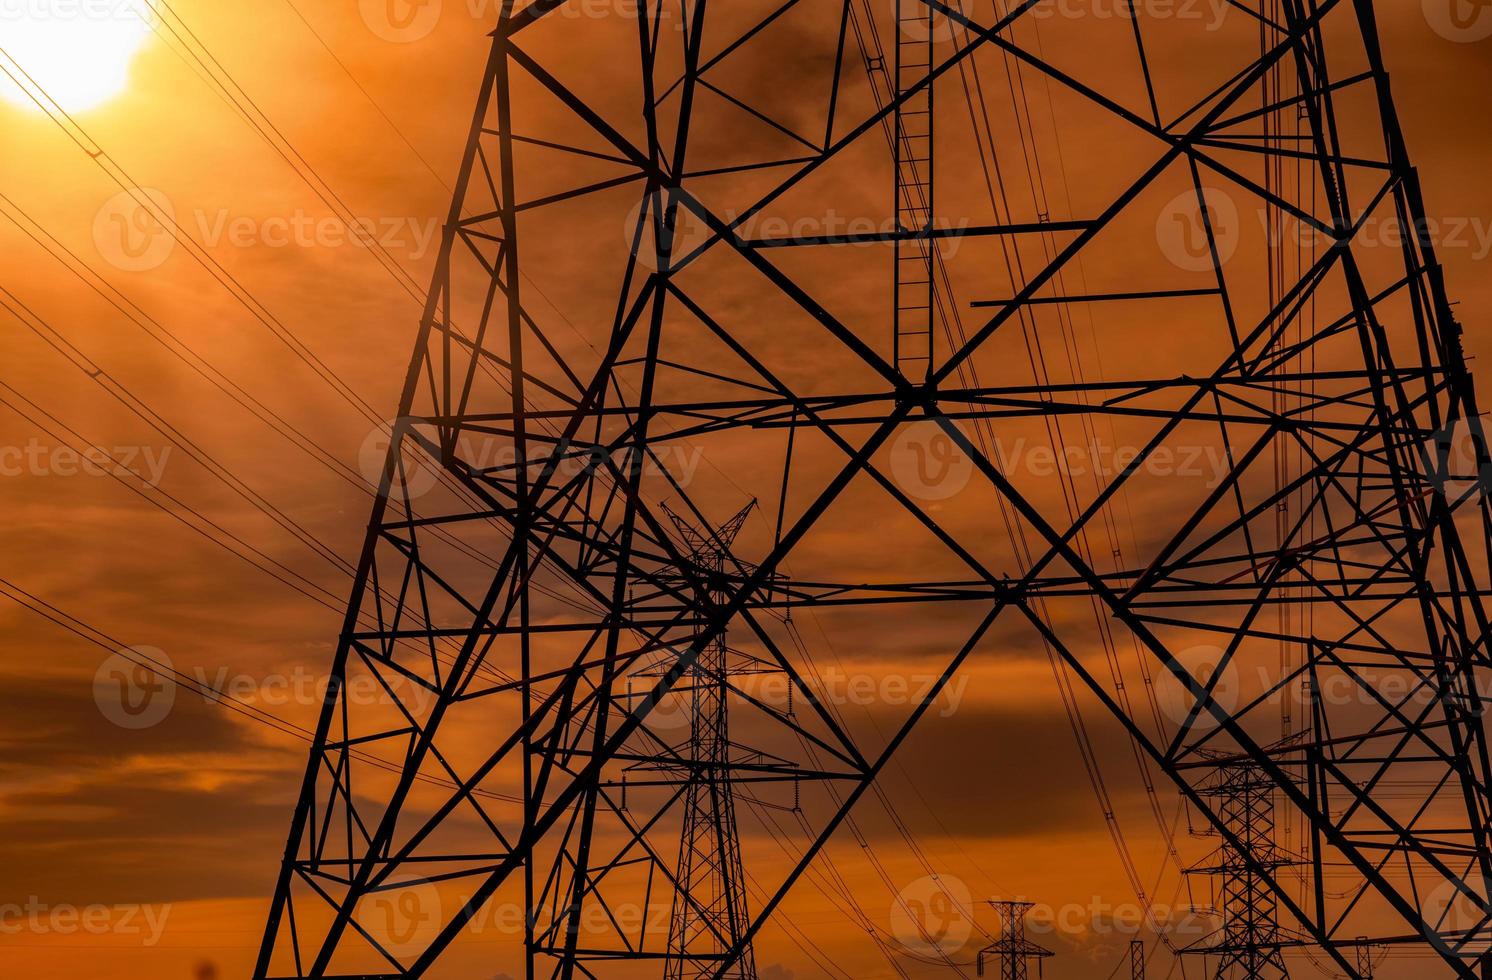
point(76, 51)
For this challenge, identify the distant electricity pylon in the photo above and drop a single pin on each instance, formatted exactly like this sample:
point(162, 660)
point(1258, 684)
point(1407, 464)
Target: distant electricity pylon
point(1211, 278)
point(709, 917)
point(1013, 953)
point(1249, 945)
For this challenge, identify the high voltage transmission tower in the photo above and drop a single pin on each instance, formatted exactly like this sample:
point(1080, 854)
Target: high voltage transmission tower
point(709, 917)
point(741, 224)
point(1012, 952)
point(1250, 943)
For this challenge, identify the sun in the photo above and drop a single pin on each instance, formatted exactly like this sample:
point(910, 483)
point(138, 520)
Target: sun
point(78, 52)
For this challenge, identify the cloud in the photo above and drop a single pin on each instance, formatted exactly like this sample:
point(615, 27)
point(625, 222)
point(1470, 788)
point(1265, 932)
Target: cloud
point(96, 813)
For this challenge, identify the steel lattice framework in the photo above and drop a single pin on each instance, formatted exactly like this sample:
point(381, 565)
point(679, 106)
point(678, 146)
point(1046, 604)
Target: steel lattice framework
point(1013, 952)
point(1249, 945)
point(683, 175)
point(710, 915)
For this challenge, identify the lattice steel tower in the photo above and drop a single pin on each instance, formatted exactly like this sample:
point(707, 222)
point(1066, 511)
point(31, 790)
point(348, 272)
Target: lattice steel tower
point(709, 915)
point(1250, 944)
point(666, 281)
point(1013, 953)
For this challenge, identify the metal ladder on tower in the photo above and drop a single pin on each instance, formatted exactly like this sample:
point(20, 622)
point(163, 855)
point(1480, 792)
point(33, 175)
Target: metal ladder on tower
point(914, 285)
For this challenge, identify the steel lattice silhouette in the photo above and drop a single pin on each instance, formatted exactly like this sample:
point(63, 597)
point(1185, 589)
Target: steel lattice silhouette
point(685, 176)
point(1013, 952)
point(1248, 947)
point(709, 917)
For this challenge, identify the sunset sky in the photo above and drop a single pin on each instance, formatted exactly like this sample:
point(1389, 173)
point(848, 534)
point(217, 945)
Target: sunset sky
point(143, 843)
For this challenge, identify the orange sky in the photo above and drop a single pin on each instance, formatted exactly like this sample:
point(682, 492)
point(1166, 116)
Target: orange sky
point(164, 839)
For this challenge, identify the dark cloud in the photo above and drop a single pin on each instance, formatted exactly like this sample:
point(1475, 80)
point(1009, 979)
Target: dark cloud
point(96, 813)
